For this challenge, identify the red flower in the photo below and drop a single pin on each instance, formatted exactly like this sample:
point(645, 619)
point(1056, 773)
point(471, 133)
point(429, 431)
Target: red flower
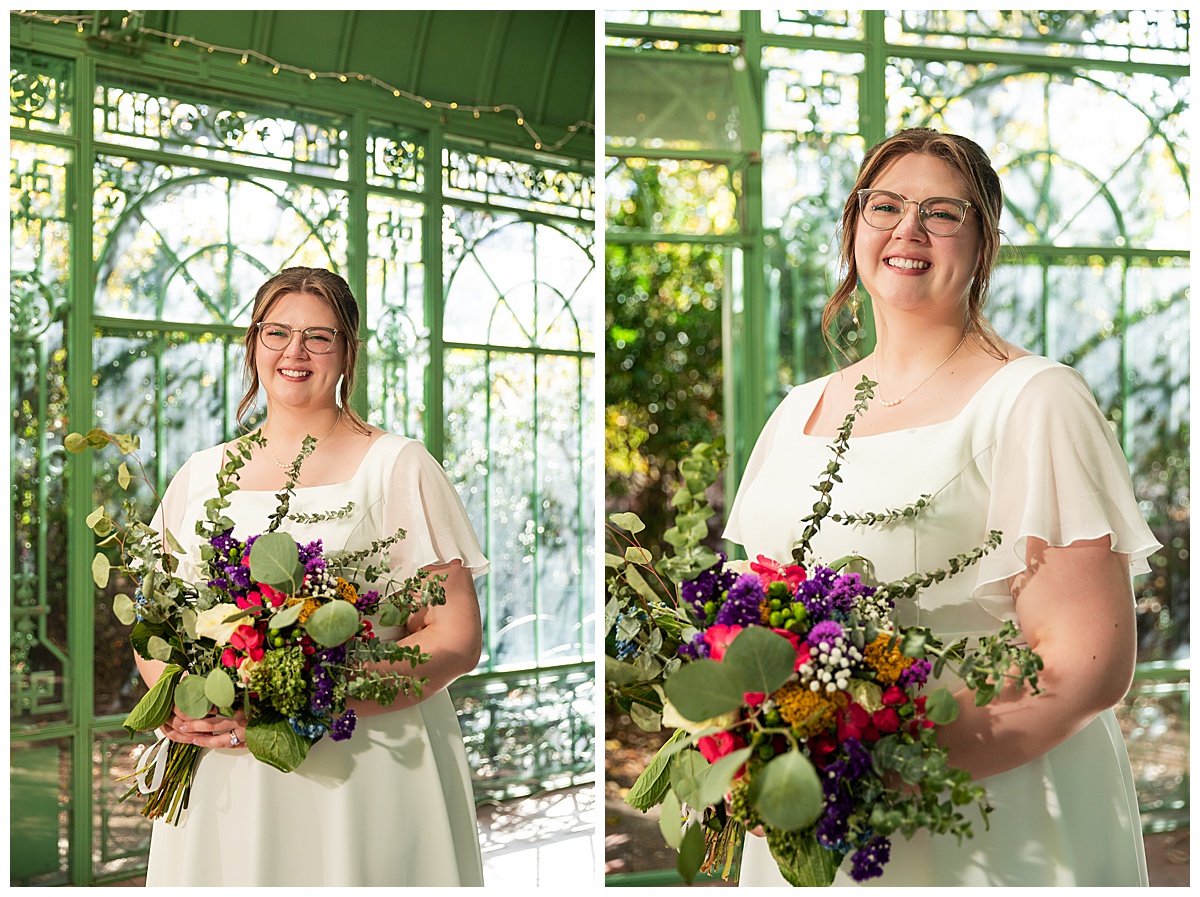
point(250, 640)
point(229, 658)
point(886, 720)
point(251, 599)
point(714, 747)
point(894, 696)
point(770, 571)
point(820, 747)
point(273, 595)
point(856, 722)
point(754, 698)
point(718, 638)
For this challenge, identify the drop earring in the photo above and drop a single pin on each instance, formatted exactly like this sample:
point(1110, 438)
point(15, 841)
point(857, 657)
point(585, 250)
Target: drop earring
point(854, 310)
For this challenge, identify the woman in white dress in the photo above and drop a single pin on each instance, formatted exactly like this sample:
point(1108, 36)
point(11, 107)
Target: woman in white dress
point(393, 804)
point(1001, 439)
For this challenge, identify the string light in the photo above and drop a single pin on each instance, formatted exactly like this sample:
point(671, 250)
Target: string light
point(276, 66)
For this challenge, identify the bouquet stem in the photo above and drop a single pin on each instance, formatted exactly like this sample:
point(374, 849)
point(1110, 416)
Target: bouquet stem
point(170, 799)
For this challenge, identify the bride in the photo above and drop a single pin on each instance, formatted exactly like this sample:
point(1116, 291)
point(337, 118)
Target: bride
point(393, 804)
point(1001, 439)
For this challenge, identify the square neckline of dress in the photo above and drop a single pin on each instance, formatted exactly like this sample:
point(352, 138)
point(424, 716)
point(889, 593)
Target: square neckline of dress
point(361, 466)
point(961, 411)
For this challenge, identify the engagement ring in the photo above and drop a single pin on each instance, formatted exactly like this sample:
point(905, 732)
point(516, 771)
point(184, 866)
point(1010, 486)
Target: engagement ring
point(233, 739)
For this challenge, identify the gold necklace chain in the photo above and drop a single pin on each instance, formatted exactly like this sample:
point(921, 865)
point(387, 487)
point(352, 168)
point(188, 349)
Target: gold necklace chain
point(895, 402)
point(283, 466)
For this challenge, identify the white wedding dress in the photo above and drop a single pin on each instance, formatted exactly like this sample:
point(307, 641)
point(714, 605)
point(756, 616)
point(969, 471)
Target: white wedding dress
point(1029, 455)
point(390, 806)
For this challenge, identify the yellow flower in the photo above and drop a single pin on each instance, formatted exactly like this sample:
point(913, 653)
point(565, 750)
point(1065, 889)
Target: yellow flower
point(346, 591)
point(888, 663)
point(809, 712)
point(310, 605)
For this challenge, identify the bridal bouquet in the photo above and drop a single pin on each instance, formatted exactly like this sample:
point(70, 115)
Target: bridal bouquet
point(799, 706)
point(272, 627)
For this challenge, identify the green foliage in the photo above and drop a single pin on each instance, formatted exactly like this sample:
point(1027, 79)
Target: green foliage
point(272, 740)
point(156, 707)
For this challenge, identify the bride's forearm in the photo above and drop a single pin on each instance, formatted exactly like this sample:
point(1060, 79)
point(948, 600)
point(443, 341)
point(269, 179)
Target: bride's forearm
point(449, 659)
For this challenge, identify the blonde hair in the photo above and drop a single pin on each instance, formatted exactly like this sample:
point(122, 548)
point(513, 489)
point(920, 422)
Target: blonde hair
point(984, 193)
point(335, 293)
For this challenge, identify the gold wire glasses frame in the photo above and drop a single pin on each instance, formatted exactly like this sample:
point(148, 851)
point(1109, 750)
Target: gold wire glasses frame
point(317, 340)
point(938, 215)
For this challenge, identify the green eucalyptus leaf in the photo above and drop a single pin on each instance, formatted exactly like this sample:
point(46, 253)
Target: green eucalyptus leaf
point(389, 615)
point(159, 648)
point(764, 658)
point(123, 609)
point(646, 718)
point(100, 569)
point(691, 853)
point(275, 560)
point(718, 779)
point(636, 555)
point(613, 560)
point(219, 688)
point(670, 820)
point(75, 443)
point(705, 688)
point(191, 697)
point(628, 521)
point(687, 771)
point(97, 515)
point(188, 618)
point(333, 623)
point(639, 584)
point(123, 476)
point(787, 792)
point(290, 615)
point(941, 707)
point(618, 672)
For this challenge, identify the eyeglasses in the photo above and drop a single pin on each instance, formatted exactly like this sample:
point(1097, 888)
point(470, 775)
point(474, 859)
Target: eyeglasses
point(317, 340)
point(938, 215)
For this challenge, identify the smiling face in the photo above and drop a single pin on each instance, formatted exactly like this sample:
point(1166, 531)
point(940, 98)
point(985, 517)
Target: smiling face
point(294, 376)
point(906, 268)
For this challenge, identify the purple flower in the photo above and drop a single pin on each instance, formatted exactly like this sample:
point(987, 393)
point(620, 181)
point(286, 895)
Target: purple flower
point(697, 648)
point(708, 586)
point(342, 727)
point(828, 595)
point(917, 674)
point(828, 631)
point(868, 860)
point(741, 603)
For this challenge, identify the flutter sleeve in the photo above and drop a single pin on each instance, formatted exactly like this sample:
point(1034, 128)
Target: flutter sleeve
point(735, 525)
point(1058, 473)
point(420, 499)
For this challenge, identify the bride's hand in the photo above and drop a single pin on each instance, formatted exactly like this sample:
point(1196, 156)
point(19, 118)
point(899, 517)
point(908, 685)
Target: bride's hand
point(211, 731)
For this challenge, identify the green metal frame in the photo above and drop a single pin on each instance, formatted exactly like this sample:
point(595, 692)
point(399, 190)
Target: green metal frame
point(82, 729)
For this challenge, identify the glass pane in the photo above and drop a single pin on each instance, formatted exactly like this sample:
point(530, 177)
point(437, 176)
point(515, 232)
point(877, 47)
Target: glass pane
point(39, 94)
point(206, 126)
point(398, 337)
point(672, 101)
point(515, 283)
point(672, 196)
point(178, 244)
point(122, 834)
point(39, 266)
point(563, 523)
point(1108, 172)
point(40, 805)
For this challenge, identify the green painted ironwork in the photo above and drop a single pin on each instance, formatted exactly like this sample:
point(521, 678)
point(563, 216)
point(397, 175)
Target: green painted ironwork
point(197, 195)
point(1085, 115)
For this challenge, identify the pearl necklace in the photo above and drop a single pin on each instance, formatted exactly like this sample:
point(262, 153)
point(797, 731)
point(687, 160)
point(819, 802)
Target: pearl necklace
point(895, 402)
point(283, 466)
